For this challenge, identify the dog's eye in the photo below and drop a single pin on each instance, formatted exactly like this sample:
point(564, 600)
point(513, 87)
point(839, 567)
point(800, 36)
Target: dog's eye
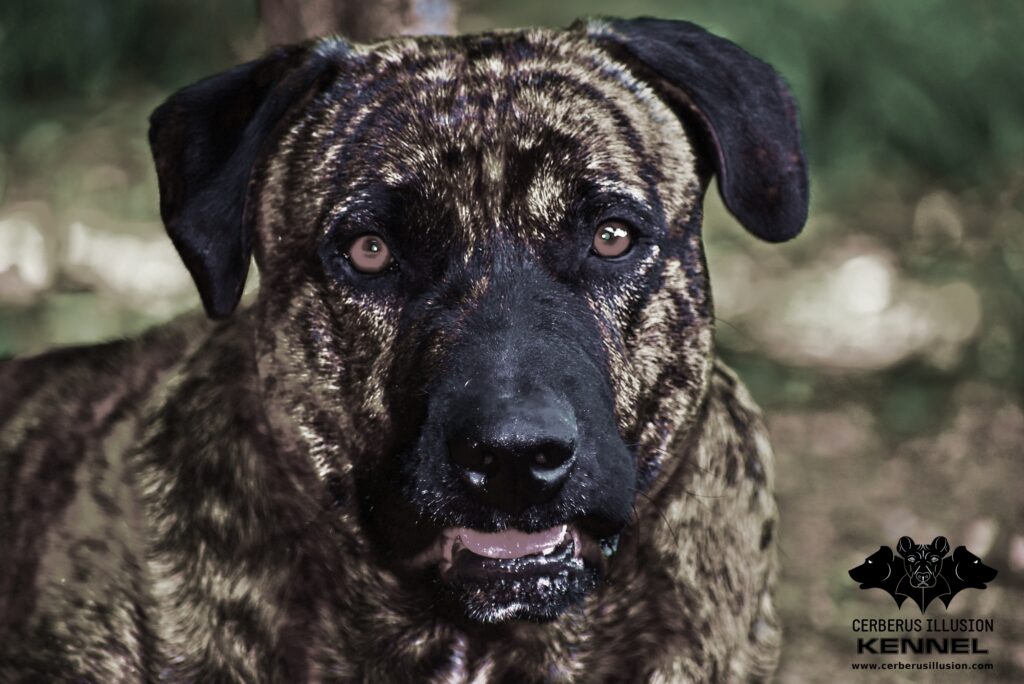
point(612, 239)
point(369, 254)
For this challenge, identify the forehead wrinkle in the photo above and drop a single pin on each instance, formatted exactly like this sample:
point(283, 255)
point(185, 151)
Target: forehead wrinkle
point(660, 129)
point(609, 164)
point(666, 137)
point(583, 112)
point(391, 167)
point(567, 52)
point(440, 75)
point(414, 150)
point(409, 131)
point(363, 92)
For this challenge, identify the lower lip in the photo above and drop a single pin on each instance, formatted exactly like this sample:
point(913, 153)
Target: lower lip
point(507, 544)
point(468, 566)
point(459, 560)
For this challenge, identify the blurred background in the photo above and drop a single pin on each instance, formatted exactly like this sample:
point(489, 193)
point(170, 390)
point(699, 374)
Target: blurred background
point(886, 344)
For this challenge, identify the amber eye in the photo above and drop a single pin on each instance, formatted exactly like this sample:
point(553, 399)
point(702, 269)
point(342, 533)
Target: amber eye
point(612, 239)
point(369, 254)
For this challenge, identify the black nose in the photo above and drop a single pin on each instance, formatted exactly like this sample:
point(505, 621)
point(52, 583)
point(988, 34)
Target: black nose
point(513, 453)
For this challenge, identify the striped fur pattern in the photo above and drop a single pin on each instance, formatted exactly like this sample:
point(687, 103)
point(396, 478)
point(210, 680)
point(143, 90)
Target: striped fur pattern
point(198, 505)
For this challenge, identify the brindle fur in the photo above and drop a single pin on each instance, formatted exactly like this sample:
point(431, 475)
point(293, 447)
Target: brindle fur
point(185, 507)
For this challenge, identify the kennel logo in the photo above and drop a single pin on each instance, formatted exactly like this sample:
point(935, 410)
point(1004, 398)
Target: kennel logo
point(922, 572)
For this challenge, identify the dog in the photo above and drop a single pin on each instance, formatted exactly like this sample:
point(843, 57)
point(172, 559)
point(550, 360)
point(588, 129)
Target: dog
point(471, 428)
point(924, 579)
point(881, 570)
point(964, 570)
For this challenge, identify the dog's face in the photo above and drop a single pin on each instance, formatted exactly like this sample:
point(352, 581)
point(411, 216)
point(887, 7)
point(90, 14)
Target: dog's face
point(880, 569)
point(969, 571)
point(484, 307)
point(923, 561)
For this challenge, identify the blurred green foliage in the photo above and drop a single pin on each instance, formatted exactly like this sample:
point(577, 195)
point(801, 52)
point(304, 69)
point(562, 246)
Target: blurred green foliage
point(55, 51)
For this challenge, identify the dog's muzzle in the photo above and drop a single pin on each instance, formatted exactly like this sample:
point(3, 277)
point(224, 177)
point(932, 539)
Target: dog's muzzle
point(512, 455)
point(922, 579)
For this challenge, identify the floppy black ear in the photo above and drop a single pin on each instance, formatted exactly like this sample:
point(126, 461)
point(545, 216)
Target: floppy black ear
point(745, 112)
point(887, 552)
point(205, 139)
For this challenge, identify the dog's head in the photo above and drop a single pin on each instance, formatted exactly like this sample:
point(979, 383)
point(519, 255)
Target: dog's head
point(879, 570)
point(484, 305)
point(923, 561)
point(968, 571)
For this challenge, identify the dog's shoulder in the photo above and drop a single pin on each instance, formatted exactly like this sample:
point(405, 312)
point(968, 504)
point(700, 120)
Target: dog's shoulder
point(84, 386)
point(68, 419)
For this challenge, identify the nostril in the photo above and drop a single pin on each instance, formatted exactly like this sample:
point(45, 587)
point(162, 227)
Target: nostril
point(472, 457)
point(551, 455)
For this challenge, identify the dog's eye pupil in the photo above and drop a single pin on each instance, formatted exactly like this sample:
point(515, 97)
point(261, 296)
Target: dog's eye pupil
point(612, 239)
point(369, 254)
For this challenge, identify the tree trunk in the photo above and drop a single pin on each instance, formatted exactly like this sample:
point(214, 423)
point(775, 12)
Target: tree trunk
point(291, 21)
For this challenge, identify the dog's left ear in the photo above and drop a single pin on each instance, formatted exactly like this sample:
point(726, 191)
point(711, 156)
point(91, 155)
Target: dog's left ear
point(745, 111)
point(206, 139)
point(940, 545)
point(905, 545)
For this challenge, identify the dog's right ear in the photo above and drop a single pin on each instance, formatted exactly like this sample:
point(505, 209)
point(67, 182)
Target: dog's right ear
point(887, 552)
point(206, 139)
point(905, 545)
point(747, 116)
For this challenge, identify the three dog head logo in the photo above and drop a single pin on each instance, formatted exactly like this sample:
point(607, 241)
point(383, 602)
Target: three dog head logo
point(484, 306)
point(922, 572)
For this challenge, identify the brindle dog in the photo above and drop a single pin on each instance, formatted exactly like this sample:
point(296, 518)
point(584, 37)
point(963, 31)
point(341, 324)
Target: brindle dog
point(472, 428)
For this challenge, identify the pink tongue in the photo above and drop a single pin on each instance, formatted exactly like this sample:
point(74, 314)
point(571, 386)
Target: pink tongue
point(511, 543)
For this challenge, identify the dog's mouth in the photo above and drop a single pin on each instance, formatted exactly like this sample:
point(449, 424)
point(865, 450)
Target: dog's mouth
point(492, 577)
point(469, 552)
